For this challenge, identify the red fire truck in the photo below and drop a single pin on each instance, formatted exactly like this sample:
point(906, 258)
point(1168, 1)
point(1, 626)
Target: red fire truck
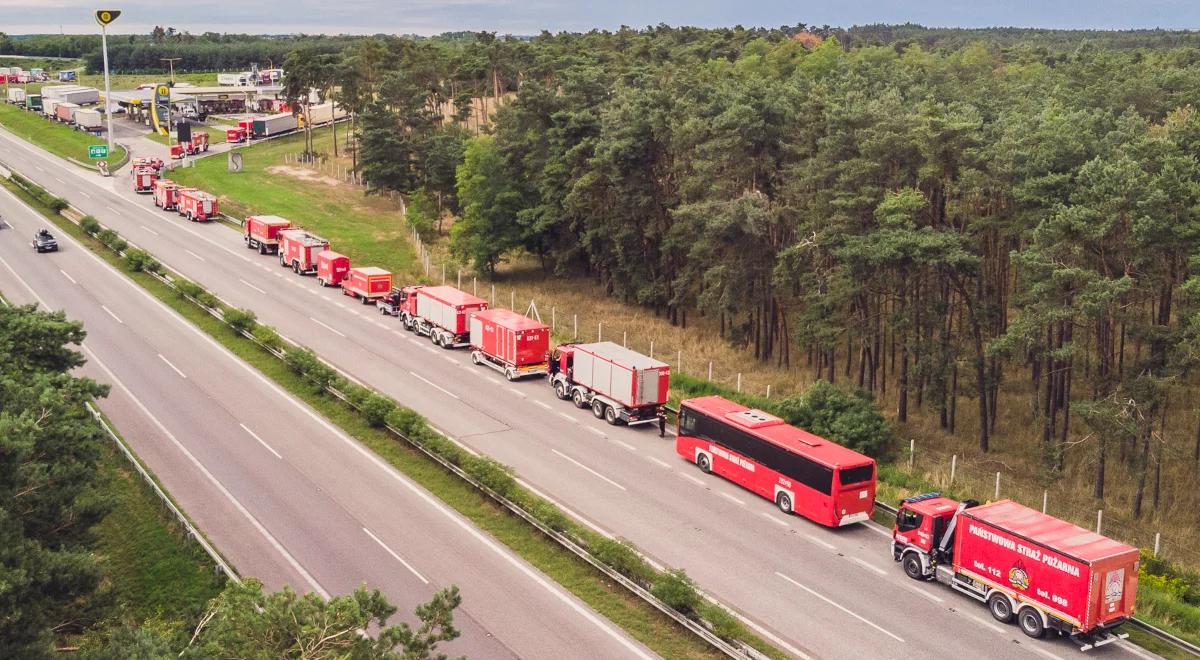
point(166, 194)
point(143, 180)
point(262, 232)
point(801, 472)
point(299, 250)
point(1022, 563)
point(235, 135)
point(332, 268)
point(619, 385)
point(367, 283)
point(442, 313)
point(197, 205)
point(512, 344)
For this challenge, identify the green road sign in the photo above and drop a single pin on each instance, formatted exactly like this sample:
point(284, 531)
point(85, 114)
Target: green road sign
point(97, 151)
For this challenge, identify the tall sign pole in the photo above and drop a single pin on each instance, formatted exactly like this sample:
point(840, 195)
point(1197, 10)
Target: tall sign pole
point(104, 17)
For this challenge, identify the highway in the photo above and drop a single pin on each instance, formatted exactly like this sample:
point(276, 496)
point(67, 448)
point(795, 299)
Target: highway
point(815, 592)
point(285, 496)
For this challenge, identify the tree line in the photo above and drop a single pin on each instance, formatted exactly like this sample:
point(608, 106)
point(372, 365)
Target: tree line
point(930, 225)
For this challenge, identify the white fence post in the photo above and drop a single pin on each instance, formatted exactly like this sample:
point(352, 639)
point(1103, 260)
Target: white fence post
point(443, 273)
point(475, 286)
point(912, 451)
point(953, 467)
point(710, 369)
point(625, 339)
point(997, 486)
point(651, 349)
point(1099, 520)
point(600, 331)
point(1045, 499)
point(553, 318)
point(739, 385)
point(460, 278)
point(1157, 539)
point(768, 391)
point(575, 333)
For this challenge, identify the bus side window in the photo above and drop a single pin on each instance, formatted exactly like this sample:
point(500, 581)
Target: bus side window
point(687, 422)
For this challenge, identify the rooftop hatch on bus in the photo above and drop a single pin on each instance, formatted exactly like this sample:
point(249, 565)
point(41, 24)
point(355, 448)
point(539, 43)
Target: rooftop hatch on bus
point(753, 419)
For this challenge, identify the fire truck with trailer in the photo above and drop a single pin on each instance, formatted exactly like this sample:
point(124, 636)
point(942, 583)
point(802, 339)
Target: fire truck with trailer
point(510, 343)
point(332, 268)
point(367, 283)
point(197, 205)
point(143, 180)
point(442, 313)
point(299, 250)
point(262, 232)
point(1048, 574)
point(619, 385)
point(166, 194)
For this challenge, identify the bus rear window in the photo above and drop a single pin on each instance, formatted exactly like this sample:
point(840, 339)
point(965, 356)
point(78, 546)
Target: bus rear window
point(856, 475)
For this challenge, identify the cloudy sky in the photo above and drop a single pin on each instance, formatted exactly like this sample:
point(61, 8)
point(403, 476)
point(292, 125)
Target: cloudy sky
point(531, 16)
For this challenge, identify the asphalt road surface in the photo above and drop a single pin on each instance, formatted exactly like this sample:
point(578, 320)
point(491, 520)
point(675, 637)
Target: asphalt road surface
point(284, 495)
point(815, 592)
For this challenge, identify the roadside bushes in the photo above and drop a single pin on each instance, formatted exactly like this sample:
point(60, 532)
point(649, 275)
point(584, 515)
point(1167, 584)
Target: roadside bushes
point(43, 197)
point(89, 225)
point(139, 261)
point(112, 239)
point(241, 320)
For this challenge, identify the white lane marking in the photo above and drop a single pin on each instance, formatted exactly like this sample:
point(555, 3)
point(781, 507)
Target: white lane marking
point(110, 313)
point(274, 272)
point(312, 582)
point(381, 324)
point(181, 374)
point(821, 542)
point(194, 254)
point(596, 431)
point(396, 556)
point(67, 276)
point(1132, 648)
point(333, 330)
point(40, 168)
point(260, 440)
point(569, 418)
point(774, 518)
point(517, 392)
point(149, 230)
point(581, 465)
point(860, 618)
point(625, 445)
point(660, 462)
point(354, 312)
point(731, 498)
point(543, 404)
point(251, 286)
point(430, 349)
point(867, 565)
point(60, 181)
point(113, 210)
point(986, 624)
point(314, 292)
point(1037, 649)
point(919, 591)
point(433, 384)
point(695, 480)
point(84, 194)
point(452, 360)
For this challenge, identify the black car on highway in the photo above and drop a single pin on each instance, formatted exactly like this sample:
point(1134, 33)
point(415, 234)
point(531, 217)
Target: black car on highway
point(43, 241)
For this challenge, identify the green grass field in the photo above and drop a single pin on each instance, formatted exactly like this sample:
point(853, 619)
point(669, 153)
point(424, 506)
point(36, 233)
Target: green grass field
point(54, 137)
point(369, 230)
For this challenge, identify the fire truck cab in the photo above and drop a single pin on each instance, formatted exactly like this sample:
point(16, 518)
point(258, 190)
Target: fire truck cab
point(923, 537)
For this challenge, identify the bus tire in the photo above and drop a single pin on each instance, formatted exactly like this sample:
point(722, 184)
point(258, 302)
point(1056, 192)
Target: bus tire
point(704, 463)
point(1031, 624)
point(610, 416)
point(560, 391)
point(784, 502)
point(475, 359)
point(577, 397)
point(510, 375)
point(1000, 607)
point(598, 409)
point(912, 566)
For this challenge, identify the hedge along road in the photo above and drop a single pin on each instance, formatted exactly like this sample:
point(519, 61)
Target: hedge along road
point(288, 497)
point(813, 591)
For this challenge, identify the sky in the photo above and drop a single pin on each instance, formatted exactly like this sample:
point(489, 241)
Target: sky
point(525, 17)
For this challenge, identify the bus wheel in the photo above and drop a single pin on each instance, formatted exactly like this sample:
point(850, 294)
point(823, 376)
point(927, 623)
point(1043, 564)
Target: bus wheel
point(1000, 607)
point(1031, 622)
point(912, 566)
point(510, 375)
point(704, 462)
point(598, 409)
point(475, 359)
point(784, 502)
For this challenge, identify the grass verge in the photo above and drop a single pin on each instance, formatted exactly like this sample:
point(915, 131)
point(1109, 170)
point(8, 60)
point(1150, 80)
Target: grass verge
point(640, 620)
point(52, 136)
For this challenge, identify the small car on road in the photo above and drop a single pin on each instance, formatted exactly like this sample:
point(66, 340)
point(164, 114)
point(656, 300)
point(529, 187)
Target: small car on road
point(43, 241)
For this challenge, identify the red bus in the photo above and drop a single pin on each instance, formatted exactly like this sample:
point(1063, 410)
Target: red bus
point(801, 472)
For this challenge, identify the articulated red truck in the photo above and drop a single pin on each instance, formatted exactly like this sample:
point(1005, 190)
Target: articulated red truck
point(442, 313)
point(166, 194)
point(299, 250)
point(367, 283)
point(197, 205)
point(619, 385)
point(143, 180)
point(332, 268)
point(512, 344)
point(262, 232)
point(1021, 563)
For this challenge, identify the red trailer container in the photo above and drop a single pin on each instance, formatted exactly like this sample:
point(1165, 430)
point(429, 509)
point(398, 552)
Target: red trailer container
point(235, 135)
point(262, 232)
point(197, 205)
point(299, 250)
point(1048, 573)
point(246, 126)
point(332, 268)
point(367, 283)
point(143, 180)
point(608, 377)
point(512, 344)
point(166, 194)
point(176, 150)
point(443, 313)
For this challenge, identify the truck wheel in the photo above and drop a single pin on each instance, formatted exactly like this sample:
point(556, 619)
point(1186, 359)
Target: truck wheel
point(560, 391)
point(704, 463)
point(784, 502)
point(598, 409)
point(321, 282)
point(610, 416)
point(912, 566)
point(296, 267)
point(475, 359)
point(1000, 607)
point(510, 375)
point(1031, 623)
point(577, 397)
point(262, 249)
point(365, 300)
point(282, 263)
point(383, 310)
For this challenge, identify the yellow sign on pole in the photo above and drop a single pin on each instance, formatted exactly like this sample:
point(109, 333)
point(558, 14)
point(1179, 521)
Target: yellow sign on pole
point(106, 16)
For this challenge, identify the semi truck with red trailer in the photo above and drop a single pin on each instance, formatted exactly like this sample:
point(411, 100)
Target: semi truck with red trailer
point(442, 313)
point(510, 343)
point(261, 232)
point(166, 194)
point(332, 268)
point(367, 283)
point(143, 180)
point(1048, 574)
point(621, 386)
point(299, 250)
point(197, 205)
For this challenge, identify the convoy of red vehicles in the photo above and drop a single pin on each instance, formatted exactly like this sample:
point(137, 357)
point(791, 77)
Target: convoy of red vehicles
point(1047, 574)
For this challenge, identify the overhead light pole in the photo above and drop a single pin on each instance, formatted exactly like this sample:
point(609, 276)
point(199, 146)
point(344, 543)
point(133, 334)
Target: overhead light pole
point(171, 61)
point(104, 17)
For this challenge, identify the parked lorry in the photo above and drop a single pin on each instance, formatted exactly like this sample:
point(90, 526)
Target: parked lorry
point(143, 180)
point(510, 343)
point(81, 95)
point(274, 125)
point(89, 119)
point(323, 113)
point(262, 232)
point(1022, 563)
point(33, 102)
point(16, 95)
point(65, 111)
point(332, 268)
point(197, 205)
point(66, 76)
point(621, 386)
point(442, 313)
point(166, 194)
point(367, 283)
point(299, 250)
